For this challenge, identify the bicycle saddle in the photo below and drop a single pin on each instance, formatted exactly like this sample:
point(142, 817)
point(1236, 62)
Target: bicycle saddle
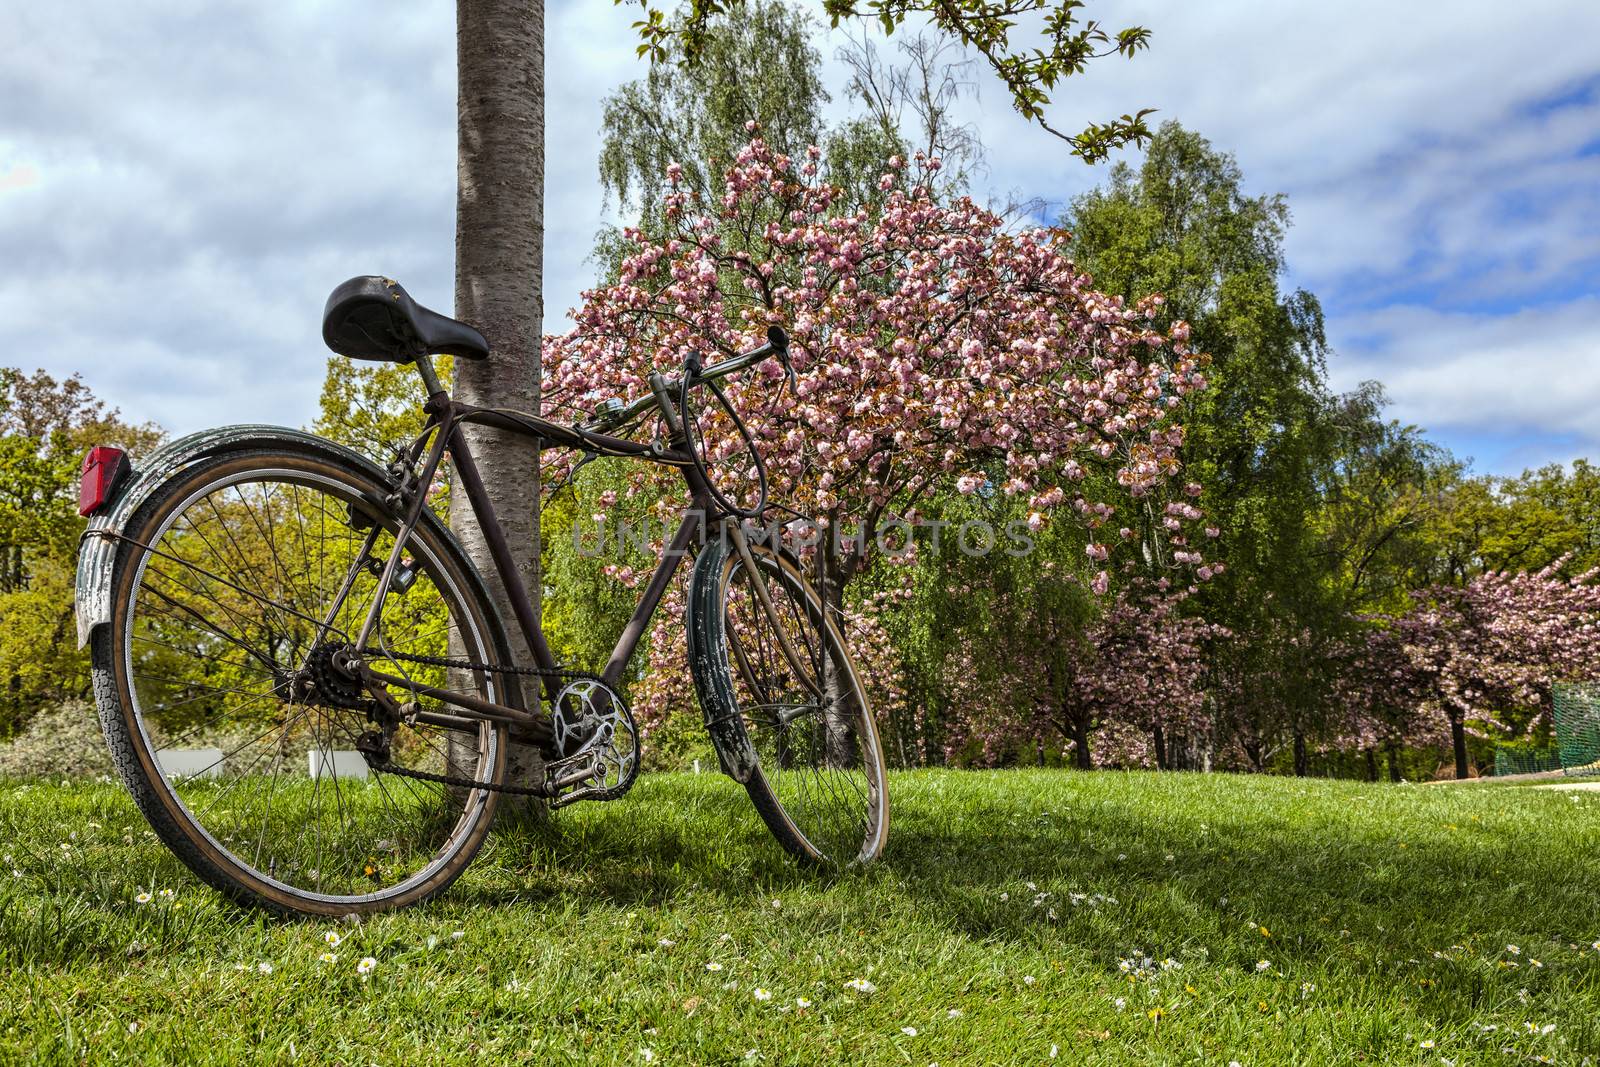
point(374, 318)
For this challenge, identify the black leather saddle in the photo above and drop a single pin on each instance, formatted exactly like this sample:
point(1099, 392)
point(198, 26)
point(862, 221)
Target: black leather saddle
point(374, 318)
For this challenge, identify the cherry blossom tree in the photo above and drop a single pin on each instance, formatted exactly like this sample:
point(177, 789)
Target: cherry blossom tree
point(1488, 652)
point(934, 351)
point(932, 348)
point(1127, 689)
point(1380, 697)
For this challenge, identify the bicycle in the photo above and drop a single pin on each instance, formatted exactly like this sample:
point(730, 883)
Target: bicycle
point(291, 596)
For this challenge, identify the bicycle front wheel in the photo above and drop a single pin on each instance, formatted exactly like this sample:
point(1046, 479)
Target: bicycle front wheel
point(241, 587)
point(777, 682)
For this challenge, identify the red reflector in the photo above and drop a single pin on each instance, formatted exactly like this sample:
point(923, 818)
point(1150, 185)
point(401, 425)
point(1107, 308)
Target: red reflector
point(103, 469)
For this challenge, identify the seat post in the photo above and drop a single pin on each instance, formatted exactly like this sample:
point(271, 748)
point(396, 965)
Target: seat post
point(429, 379)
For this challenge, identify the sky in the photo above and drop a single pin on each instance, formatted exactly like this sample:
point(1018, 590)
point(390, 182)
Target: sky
point(182, 184)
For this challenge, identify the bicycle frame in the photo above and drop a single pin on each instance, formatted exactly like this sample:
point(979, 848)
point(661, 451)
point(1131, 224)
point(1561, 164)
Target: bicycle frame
point(446, 416)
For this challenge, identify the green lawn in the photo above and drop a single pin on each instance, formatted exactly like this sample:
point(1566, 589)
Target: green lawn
point(1117, 918)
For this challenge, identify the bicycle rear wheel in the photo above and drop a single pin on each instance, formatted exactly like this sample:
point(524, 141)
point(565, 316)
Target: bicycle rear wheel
point(775, 676)
point(241, 584)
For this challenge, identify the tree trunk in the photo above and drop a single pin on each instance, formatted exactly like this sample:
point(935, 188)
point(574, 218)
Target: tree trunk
point(1161, 749)
point(499, 274)
point(1372, 764)
point(1394, 764)
point(1080, 743)
point(1458, 737)
point(842, 711)
point(1252, 749)
point(1302, 765)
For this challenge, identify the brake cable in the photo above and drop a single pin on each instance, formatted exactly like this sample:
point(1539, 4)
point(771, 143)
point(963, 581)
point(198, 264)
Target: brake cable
point(691, 378)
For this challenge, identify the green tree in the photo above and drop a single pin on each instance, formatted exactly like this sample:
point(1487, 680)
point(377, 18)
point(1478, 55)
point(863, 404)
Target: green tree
point(373, 407)
point(761, 66)
point(46, 426)
point(758, 67)
point(1381, 501)
point(1066, 45)
point(1183, 225)
point(1547, 514)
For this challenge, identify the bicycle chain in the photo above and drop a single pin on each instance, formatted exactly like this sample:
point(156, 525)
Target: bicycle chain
point(466, 665)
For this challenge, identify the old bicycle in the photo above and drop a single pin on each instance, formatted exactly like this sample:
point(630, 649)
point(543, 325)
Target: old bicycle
point(297, 600)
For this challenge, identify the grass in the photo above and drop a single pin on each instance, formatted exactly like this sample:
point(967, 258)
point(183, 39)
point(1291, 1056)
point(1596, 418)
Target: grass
point(1299, 922)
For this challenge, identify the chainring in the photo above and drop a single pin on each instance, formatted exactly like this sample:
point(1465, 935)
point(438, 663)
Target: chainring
point(597, 742)
point(596, 739)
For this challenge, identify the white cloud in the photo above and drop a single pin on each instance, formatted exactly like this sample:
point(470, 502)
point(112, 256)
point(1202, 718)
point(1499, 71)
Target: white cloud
point(1533, 372)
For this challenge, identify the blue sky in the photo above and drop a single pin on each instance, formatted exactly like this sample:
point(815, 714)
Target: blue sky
point(181, 185)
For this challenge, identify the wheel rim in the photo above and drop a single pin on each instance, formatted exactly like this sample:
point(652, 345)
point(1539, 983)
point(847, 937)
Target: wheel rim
point(212, 661)
point(806, 714)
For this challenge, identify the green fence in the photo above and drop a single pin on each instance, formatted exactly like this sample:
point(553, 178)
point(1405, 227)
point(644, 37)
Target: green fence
point(1577, 706)
point(1520, 759)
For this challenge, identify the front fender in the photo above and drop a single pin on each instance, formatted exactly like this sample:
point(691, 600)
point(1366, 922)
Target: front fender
point(97, 555)
point(708, 666)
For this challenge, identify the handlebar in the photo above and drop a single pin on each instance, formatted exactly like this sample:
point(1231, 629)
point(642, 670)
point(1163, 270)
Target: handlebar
point(777, 345)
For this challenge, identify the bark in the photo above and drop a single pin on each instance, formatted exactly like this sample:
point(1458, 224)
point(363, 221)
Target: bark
point(1080, 743)
point(1302, 765)
point(1394, 764)
point(842, 710)
point(1372, 764)
point(1252, 749)
point(1458, 738)
point(499, 275)
point(1161, 749)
